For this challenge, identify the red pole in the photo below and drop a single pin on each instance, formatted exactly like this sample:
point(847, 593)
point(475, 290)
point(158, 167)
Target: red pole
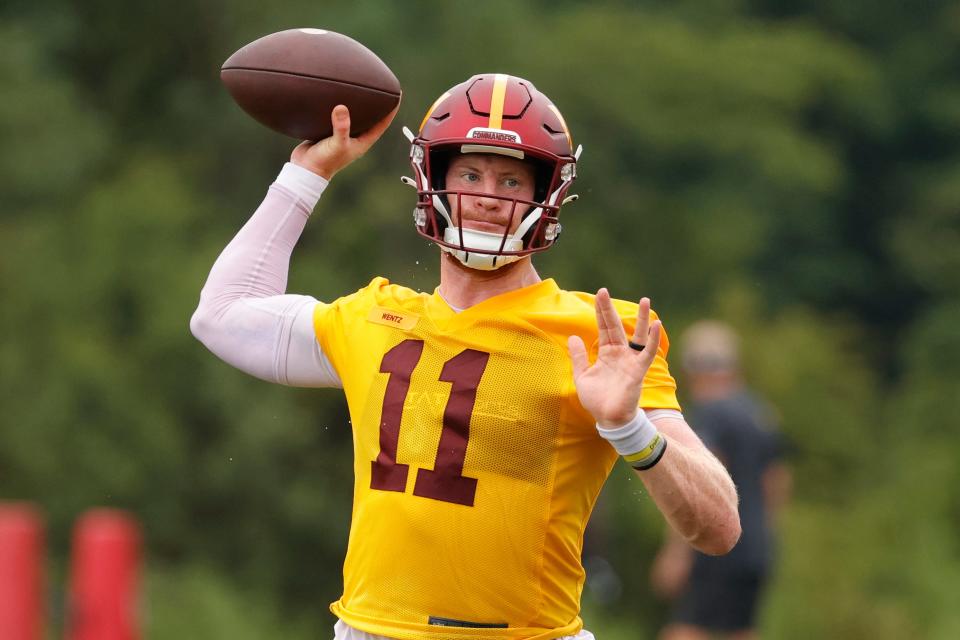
point(104, 577)
point(21, 572)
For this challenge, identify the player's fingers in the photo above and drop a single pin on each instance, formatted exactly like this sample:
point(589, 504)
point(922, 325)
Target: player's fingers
point(609, 327)
point(602, 329)
point(578, 355)
point(643, 322)
point(653, 342)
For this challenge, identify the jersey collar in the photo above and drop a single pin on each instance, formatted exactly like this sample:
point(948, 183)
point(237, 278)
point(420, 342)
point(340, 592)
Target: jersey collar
point(522, 298)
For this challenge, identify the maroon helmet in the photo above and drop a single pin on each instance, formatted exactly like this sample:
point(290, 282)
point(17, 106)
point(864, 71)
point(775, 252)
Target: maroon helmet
point(501, 114)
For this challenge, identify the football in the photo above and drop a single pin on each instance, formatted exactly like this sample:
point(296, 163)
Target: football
point(291, 80)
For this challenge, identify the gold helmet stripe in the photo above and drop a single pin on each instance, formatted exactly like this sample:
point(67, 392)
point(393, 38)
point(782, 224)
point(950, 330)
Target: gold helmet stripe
point(497, 100)
point(432, 108)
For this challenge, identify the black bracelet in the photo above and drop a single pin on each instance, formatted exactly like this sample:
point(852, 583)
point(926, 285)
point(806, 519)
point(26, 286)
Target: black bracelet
point(652, 460)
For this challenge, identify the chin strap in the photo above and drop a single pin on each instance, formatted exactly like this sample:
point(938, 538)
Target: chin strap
point(480, 240)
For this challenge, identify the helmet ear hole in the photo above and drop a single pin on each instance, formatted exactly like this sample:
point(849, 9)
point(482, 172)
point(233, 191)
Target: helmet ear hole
point(439, 163)
point(543, 176)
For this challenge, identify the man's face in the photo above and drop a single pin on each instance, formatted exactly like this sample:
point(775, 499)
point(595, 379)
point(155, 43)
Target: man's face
point(494, 174)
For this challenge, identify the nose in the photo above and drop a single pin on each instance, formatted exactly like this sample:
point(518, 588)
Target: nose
point(486, 201)
point(484, 197)
point(483, 208)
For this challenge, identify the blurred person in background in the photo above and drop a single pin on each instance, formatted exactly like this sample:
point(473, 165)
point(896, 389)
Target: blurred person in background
point(487, 414)
point(719, 596)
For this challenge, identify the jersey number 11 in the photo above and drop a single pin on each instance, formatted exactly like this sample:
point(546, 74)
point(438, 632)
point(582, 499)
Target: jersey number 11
point(446, 481)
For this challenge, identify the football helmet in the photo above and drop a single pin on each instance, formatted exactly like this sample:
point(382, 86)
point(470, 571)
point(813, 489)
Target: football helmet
point(501, 114)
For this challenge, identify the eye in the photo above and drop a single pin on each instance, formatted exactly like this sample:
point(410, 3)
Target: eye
point(469, 176)
point(512, 183)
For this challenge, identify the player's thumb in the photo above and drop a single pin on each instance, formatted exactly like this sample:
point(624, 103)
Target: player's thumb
point(340, 119)
point(578, 355)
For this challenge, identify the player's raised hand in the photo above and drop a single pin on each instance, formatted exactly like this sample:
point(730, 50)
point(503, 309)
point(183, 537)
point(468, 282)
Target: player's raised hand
point(328, 156)
point(610, 387)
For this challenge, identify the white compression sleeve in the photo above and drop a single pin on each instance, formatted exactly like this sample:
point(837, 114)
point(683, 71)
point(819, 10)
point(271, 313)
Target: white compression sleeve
point(244, 317)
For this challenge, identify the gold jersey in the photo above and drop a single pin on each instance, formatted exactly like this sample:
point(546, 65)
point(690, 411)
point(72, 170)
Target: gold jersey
point(476, 466)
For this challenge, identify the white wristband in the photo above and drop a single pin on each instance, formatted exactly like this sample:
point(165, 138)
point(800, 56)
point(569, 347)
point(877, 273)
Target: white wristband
point(632, 437)
point(638, 441)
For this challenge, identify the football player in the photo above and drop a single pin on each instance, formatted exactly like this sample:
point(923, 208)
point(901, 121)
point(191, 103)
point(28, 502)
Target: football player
point(487, 414)
point(719, 597)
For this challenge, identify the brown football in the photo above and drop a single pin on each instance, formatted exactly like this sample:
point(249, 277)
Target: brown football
point(291, 80)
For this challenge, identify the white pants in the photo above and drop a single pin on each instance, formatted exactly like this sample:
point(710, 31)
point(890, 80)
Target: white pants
point(346, 632)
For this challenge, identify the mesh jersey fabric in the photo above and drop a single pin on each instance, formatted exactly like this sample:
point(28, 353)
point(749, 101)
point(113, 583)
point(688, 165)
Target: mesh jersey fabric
point(476, 467)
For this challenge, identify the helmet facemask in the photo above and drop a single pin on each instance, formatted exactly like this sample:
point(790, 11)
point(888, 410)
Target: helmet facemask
point(534, 223)
point(463, 128)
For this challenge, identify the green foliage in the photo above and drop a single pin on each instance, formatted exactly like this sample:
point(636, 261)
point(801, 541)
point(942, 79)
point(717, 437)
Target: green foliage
point(51, 139)
point(195, 603)
point(789, 167)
